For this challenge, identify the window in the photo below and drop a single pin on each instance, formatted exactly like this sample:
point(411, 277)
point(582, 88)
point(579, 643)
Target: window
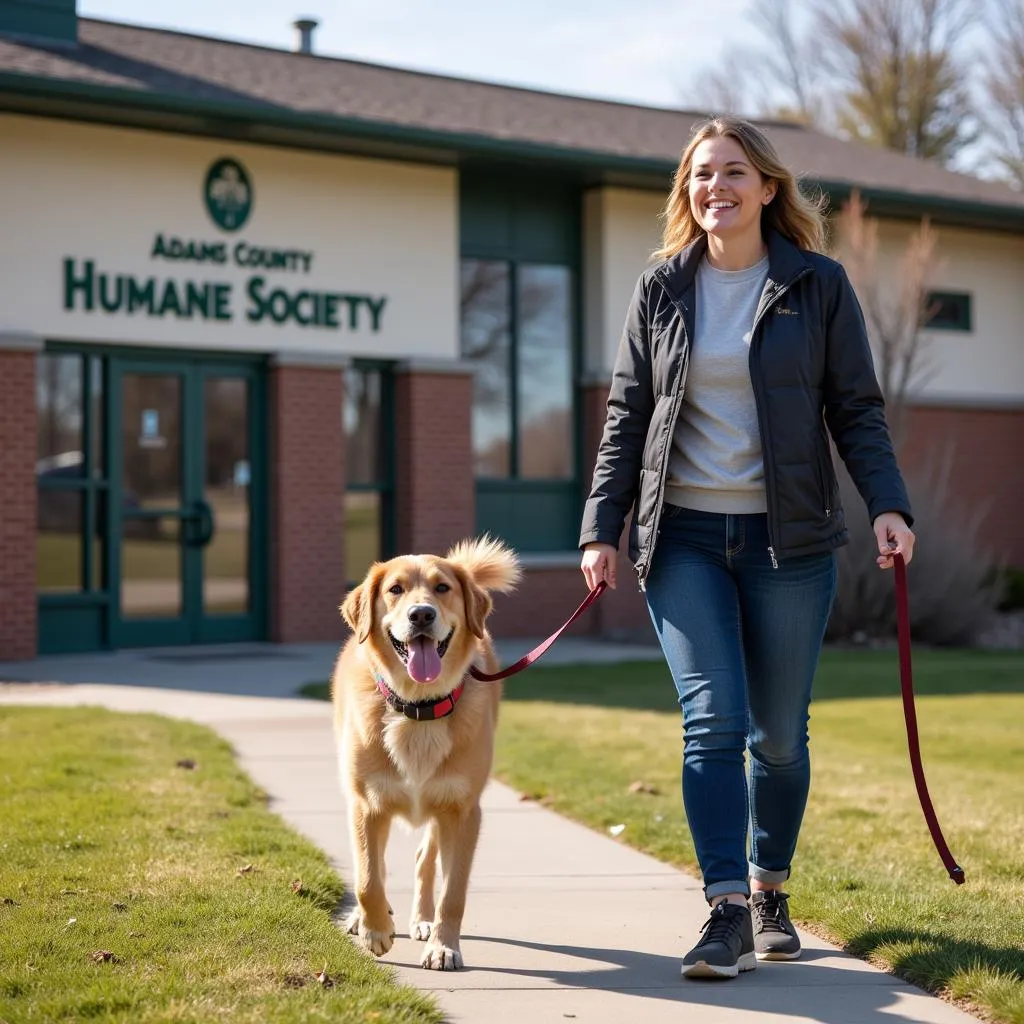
point(517, 328)
point(367, 418)
point(70, 479)
point(518, 300)
point(947, 311)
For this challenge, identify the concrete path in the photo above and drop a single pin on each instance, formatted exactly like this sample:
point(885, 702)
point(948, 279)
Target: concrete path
point(562, 923)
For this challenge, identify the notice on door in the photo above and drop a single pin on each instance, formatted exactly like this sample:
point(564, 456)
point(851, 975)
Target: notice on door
point(149, 430)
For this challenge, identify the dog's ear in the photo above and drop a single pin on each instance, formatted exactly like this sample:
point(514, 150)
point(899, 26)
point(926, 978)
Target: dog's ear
point(358, 607)
point(478, 601)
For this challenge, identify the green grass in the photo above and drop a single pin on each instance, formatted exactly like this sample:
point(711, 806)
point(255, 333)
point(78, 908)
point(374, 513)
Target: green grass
point(107, 845)
point(866, 874)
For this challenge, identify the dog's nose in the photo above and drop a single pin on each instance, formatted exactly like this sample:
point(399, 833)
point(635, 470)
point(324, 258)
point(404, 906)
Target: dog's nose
point(422, 615)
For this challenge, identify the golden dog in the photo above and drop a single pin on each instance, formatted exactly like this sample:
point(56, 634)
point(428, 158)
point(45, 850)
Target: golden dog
point(416, 732)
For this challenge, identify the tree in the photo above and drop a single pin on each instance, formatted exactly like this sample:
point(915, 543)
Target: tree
point(900, 81)
point(894, 317)
point(956, 585)
point(880, 71)
point(1004, 86)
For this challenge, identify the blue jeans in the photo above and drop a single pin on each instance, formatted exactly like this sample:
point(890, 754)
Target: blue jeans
point(742, 641)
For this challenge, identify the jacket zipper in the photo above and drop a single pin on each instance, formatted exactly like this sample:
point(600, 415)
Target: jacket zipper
point(677, 401)
point(766, 447)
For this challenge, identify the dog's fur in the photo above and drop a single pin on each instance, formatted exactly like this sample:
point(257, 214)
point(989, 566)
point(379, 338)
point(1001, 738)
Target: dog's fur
point(428, 772)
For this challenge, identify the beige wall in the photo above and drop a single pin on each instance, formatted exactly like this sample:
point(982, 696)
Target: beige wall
point(984, 366)
point(375, 229)
point(620, 231)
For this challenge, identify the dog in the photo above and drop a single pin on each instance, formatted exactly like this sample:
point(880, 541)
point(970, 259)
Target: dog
point(415, 731)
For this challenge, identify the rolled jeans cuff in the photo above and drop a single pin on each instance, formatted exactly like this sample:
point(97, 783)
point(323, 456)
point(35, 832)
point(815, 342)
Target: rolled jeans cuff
point(771, 877)
point(724, 888)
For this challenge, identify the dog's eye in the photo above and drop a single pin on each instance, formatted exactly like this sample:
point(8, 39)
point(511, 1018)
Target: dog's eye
point(396, 589)
point(442, 588)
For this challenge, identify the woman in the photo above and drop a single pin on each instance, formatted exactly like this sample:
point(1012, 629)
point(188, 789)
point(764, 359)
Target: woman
point(740, 345)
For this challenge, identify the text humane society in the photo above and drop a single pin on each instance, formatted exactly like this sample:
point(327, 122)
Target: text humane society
point(89, 290)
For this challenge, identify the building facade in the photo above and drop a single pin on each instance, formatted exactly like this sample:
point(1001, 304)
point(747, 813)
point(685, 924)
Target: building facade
point(266, 317)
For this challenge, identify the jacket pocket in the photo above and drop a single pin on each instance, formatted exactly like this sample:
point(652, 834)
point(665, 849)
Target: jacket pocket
point(826, 491)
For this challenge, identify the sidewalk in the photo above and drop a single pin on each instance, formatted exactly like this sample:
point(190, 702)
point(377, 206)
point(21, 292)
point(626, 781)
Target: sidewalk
point(562, 922)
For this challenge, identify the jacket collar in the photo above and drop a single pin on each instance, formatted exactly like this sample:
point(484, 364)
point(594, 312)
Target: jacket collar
point(785, 261)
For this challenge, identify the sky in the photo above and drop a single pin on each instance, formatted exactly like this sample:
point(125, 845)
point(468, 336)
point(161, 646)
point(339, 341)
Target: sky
point(639, 51)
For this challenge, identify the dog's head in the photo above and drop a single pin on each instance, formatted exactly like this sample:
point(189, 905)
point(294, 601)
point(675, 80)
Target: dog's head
point(422, 615)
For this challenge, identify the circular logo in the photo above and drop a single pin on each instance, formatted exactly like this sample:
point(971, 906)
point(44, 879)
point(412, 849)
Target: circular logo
point(228, 194)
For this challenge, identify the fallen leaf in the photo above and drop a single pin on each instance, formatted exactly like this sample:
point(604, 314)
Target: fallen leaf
point(644, 787)
point(120, 906)
point(186, 762)
point(324, 978)
point(617, 830)
point(102, 956)
point(72, 920)
point(8, 902)
point(247, 870)
point(297, 886)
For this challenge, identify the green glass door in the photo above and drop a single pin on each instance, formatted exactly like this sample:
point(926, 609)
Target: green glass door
point(186, 536)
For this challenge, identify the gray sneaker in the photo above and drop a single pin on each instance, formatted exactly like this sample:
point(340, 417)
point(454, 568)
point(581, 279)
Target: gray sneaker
point(727, 946)
point(775, 938)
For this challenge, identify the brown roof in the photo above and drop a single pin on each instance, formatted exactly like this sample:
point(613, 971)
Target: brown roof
point(158, 63)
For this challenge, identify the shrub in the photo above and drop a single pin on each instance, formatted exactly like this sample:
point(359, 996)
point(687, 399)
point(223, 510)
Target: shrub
point(955, 584)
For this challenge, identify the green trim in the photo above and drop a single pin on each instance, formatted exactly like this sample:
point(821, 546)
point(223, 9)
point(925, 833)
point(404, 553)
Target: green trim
point(40, 19)
point(268, 124)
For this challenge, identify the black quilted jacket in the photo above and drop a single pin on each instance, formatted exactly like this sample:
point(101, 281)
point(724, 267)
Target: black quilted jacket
point(810, 367)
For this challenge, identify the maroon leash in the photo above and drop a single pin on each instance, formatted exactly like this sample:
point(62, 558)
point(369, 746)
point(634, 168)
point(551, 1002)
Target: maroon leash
point(907, 686)
point(528, 659)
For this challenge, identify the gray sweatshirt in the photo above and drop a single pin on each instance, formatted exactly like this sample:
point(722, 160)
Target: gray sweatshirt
point(716, 463)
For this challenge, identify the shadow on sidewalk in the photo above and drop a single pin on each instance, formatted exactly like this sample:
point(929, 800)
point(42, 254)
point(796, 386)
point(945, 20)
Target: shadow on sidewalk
point(802, 990)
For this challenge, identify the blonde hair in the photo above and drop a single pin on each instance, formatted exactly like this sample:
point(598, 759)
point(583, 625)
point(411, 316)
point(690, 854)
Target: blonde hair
point(794, 215)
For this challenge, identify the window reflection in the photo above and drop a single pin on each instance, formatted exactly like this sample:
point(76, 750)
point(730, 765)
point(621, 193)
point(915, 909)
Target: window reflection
point(363, 542)
point(544, 369)
point(58, 416)
point(486, 341)
point(363, 426)
point(59, 541)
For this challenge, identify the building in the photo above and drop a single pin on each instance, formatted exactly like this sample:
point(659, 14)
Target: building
point(265, 316)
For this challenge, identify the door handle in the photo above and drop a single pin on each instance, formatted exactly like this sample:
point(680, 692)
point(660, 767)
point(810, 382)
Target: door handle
point(201, 515)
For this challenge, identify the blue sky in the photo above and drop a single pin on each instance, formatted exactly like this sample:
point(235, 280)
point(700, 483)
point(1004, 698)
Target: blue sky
point(644, 51)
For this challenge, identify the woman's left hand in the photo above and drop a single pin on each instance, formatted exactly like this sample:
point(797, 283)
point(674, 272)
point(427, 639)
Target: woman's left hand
point(893, 536)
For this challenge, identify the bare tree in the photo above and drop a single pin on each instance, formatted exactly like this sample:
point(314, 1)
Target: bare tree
point(956, 586)
point(778, 79)
point(881, 71)
point(1004, 85)
point(894, 317)
point(899, 81)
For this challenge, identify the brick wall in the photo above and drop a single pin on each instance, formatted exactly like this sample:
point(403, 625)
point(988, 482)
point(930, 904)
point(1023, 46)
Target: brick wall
point(986, 448)
point(434, 487)
point(307, 502)
point(18, 508)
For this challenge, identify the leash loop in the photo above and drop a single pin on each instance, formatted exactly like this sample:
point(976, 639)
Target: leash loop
point(956, 873)
point(528, 659)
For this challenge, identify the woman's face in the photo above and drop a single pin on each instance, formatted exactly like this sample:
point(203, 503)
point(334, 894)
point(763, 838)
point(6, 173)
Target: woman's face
point(727, 193)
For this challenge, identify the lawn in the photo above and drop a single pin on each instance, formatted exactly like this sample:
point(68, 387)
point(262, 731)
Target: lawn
point(142, 879)
point(866, 874)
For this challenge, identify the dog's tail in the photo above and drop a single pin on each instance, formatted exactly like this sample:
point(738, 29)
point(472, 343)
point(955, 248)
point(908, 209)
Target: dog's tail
point(492, 565)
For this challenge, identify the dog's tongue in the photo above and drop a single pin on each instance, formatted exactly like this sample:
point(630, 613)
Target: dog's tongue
point(423, 665)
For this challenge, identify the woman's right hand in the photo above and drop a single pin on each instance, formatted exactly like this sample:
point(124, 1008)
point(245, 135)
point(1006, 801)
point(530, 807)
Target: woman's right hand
point(599, 563)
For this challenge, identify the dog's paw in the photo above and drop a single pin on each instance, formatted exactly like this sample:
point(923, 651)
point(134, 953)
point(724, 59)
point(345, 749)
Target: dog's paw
point(377, 941)
point(420, 930)
point(441, 958)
